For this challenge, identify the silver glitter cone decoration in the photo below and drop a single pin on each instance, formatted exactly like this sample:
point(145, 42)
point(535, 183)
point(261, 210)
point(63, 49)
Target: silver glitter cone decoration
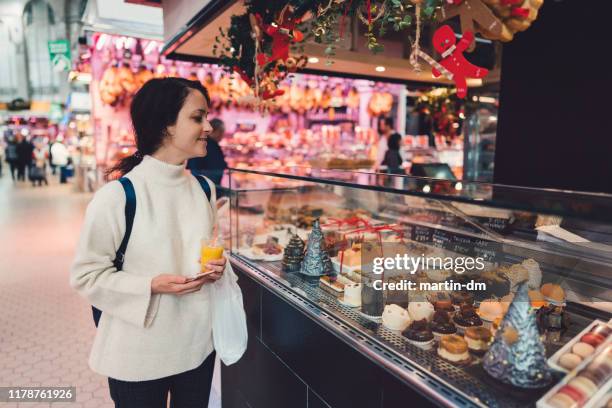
point(517, 355)
point(316, 261)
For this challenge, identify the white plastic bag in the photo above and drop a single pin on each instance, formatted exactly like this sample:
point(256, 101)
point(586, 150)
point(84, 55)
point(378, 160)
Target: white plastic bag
point(228, 318)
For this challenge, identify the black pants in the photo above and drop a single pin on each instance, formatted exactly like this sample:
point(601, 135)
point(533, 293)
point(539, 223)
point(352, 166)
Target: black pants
point(21, 171)
point(190, 389)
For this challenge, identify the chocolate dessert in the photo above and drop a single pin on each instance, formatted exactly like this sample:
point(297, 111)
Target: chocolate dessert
point(419, 332)
point(442, 324)
point(467, 317)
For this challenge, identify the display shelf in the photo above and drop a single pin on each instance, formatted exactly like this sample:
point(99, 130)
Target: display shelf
point(447, 384)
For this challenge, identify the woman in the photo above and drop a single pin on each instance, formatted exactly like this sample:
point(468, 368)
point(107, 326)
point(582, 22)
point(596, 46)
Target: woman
point(38, 172)
point(155, 333)
point(393, 159)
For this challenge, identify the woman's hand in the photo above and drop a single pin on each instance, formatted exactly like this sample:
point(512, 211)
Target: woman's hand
point(175, 284)
point(216, 266)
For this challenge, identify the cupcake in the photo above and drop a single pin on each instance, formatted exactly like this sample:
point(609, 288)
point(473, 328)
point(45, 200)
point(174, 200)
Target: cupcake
point(490, 310)
point(442, 324)
point(419, 334)
point(478, 339)
point(454, 349)
point(395, 318)
point(467, 317)
point(420, 311)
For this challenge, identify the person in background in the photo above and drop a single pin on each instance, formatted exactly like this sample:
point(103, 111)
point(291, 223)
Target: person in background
point(2, 153)
point(11, 156)
point(60, 154)
point(24, 156)
point(213, 164)
point(38, 172)
point(53, 167)
point(385, 130)
point(393, 159)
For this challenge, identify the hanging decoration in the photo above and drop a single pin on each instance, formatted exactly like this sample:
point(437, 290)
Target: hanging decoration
point(274, 46)
point(494, 19)
point(453, 61)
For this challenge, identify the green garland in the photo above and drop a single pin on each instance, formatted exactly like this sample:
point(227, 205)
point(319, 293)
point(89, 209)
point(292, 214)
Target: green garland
point(235, 46)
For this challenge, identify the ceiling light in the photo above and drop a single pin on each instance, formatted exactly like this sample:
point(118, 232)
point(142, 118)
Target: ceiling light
point(380, 68)
point(313, 60)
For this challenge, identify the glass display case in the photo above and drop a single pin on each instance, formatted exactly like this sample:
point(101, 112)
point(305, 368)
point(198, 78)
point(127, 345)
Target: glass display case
point(395, 265)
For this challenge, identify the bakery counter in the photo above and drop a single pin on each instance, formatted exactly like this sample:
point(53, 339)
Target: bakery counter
point(325, 346)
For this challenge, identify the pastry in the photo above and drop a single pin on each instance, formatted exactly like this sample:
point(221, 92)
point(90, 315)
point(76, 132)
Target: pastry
point(593, 339)
point(583, 349)
point(573, 393)
point(466, 317)
point(535, 273)
point(444, 305)
point(584, 385)
point(442, 325)
point(352, 256)
point(331, 285)
point(352, 294)
point(478, 339)
point(569, 361)
point(395, 318)
point(490, 310)
point(553, 293)
point(454, 349)
point(562, 401)
point(420, 311)
point(602, 329)
point(459, 298)
point(419, 333)
point(537, 299)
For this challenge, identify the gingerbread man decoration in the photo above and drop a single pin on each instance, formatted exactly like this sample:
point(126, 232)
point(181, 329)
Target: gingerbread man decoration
point(445, 43)
point(471, 12)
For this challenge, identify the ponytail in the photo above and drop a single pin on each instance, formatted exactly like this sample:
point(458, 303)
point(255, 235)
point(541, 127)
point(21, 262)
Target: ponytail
point(124, 166)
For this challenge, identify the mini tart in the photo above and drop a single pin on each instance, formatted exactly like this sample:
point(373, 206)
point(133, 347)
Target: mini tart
point(454, 349)
point(478, 339)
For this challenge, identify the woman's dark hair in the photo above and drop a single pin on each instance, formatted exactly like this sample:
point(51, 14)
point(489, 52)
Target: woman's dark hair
point(155, 107)
point(394, 141)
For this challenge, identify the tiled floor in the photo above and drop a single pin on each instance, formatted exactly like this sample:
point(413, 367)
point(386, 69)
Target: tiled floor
point(46, 329)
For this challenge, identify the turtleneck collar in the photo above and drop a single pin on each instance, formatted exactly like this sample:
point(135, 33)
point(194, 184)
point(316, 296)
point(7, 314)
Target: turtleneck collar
point(157, 170)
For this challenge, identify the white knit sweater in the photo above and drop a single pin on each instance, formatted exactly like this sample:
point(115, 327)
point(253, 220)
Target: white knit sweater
point(143, 336)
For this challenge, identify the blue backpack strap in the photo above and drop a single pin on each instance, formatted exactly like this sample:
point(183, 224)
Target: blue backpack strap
point(205, 186)
point(130, 213)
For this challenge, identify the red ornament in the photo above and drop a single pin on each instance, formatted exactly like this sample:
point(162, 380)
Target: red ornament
point(445, 43)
